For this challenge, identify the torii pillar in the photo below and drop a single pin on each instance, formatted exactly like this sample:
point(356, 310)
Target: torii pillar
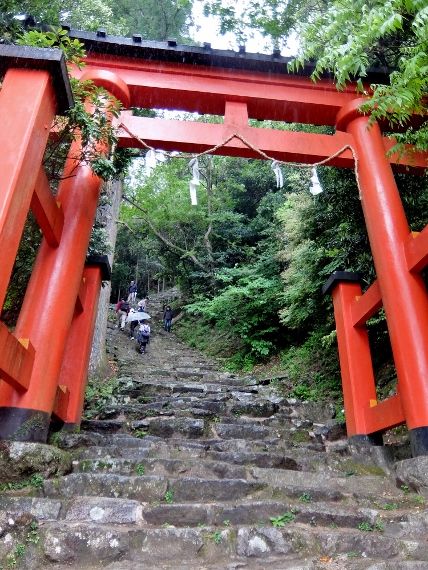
point(403, 291)
point(47, 312)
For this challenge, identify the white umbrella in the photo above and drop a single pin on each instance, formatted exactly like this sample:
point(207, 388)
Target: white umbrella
point(137, 317)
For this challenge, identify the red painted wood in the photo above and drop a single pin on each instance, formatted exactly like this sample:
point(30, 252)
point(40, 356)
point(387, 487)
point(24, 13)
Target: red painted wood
point(47, 210)
point(50, 300)
point(404, 294)
point(25, 125)
point(355, 359)
point(384, 415)
point(416, 249)
point(205, 90)
point(367, 305)
point(74, 370)
point(16, 359)
point(194, 137)
point(61, 404)
point(81, 295)
point(197, 137)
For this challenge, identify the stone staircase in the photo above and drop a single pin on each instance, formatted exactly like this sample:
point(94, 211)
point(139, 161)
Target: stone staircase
point(191, 468)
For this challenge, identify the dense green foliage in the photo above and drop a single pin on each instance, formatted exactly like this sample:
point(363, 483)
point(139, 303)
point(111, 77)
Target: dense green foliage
point(347, 38)
point(153, 19)
point(193, 242)
point(222, 252)
point(253, 292)
point(321, 235)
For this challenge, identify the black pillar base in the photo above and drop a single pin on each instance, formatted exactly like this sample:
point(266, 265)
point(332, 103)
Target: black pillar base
point(419, 441)
point(58, 425)
point(23, 424)
point(369, 439)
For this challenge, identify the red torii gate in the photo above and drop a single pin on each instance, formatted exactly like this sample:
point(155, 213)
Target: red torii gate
point(43, 364)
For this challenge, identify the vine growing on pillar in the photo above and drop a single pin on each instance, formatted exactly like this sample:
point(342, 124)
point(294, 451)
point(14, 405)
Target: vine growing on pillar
point(88, 119)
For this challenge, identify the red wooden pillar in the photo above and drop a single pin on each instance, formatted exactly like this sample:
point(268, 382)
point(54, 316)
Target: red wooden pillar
point(52, 293)
point(27, 109)
point(74, 369)
point(35, 87)
point(403, 293)
point(354, 352)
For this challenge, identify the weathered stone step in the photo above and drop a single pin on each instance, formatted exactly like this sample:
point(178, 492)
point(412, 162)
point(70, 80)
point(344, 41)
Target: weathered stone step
point(150, 487)
point(86, 439)
point(156, 387)
point(181, 448)
point(273, 442)
point(244, 431)
point(103, 510)
point(209, 406)
point(270, 562)
point(170, 426)
point(234, 451)
point(161, 449)
point(259, 542)
point(412, 524)
point(227, 548)
point(167, 427)
point(43, 509)
point(316, 485)
point(266, 459)
point(257, 512)
point(167, 467)
point(258, 453)
point(259, 437)
point(293, 458)
point(216, 404)
point(189, 374)
point(239, 452)
point(103, 426)
point(273, 563)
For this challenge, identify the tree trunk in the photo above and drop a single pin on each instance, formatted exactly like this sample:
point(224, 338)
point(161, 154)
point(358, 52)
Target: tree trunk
point(107, 216)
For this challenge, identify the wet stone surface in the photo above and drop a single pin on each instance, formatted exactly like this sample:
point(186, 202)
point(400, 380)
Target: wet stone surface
point(187, 467)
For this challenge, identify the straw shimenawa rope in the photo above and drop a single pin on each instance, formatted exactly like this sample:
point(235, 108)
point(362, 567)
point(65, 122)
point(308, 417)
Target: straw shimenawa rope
point(255, 149)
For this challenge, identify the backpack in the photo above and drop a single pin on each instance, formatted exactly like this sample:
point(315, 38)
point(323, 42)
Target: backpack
point(125, 307)
point(144, 334)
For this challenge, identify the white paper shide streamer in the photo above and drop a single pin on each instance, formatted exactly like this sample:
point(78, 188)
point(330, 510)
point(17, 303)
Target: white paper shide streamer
point(150, 161)
point(315, 183)
point(194, 183)
point(278, 174)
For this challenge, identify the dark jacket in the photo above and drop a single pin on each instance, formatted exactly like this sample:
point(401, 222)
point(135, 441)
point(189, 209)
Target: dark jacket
point(167, 316)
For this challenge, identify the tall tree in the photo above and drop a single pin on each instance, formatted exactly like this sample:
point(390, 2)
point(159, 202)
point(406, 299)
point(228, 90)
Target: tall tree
point(346, 37)
point(153, 19)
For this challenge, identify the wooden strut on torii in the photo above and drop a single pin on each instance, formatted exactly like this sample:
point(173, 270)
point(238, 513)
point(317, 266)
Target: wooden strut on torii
point(43, 365)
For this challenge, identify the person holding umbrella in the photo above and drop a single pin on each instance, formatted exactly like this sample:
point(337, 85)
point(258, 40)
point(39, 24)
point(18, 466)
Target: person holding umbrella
point(136, 317)
point(132, 323)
